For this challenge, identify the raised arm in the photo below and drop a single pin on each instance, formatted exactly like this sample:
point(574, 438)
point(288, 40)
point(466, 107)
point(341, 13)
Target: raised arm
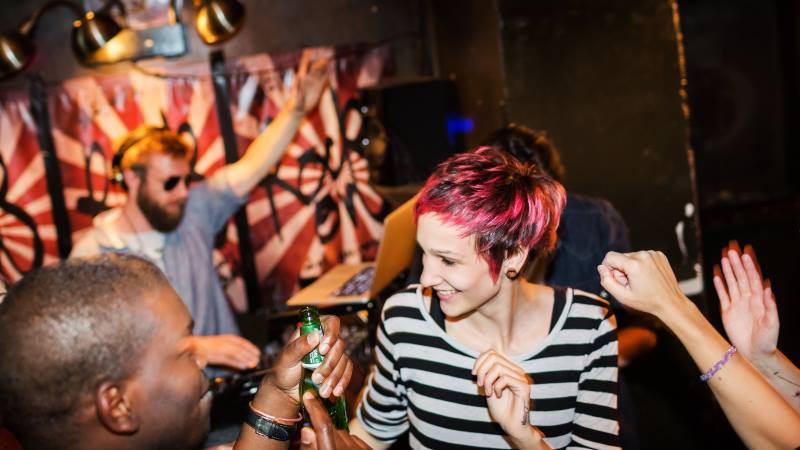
point(268, 148)
point(750, 317)
point(758, 413)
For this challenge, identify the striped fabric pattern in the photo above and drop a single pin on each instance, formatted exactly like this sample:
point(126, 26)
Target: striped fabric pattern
point(421, 381)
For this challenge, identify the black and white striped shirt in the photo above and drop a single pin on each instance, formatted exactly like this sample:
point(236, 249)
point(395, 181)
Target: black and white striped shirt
point(422, 381)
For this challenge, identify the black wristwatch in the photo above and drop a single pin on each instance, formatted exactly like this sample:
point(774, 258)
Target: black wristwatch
point(268, 428)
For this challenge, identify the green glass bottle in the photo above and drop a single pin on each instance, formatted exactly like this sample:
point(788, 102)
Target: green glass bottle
point(337, 407)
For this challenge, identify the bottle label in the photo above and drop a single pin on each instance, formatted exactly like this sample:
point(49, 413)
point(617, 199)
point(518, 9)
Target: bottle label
point(313, 359)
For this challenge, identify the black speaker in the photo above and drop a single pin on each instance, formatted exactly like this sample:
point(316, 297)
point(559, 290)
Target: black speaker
point(411, 127)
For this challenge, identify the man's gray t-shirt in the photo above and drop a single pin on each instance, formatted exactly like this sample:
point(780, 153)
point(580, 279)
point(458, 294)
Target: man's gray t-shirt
point(187, 254)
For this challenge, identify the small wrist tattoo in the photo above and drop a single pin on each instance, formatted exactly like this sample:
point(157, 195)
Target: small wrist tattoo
point(778, 375)
point(526, 416)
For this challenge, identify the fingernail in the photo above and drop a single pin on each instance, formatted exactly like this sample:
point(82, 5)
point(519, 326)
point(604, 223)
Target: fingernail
point(338, 391)
point(324, 346)
point(313, 338)
point(308, 395)
point(317, 377)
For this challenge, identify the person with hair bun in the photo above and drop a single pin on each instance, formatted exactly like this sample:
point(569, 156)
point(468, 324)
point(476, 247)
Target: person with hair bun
point(475, 356)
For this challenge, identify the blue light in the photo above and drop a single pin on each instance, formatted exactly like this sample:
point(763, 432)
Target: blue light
point(459, 125)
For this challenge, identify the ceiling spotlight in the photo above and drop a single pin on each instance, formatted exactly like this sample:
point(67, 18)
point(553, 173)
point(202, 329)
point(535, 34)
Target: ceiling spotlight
point(91, 31)
point(16, 52)
point(218, 20)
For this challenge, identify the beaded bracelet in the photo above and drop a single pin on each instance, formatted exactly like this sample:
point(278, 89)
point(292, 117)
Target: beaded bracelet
point(712, 371)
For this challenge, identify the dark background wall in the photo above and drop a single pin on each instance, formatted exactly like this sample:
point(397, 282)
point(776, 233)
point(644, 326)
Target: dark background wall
point(604, 78)
point(741, 60)
point(469, 52)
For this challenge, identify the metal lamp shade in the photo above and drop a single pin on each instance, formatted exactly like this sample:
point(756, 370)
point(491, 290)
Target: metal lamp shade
point(92, 32)
point(218, 20)
point(16, 52)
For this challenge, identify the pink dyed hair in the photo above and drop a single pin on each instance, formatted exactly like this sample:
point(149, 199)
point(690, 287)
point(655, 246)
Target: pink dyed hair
point(506, 204)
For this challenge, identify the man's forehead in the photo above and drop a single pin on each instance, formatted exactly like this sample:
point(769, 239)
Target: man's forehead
point(163, 163)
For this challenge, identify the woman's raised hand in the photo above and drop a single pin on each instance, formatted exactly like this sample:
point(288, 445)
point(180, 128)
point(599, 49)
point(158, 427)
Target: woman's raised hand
point(642, 280)
point(747, 303)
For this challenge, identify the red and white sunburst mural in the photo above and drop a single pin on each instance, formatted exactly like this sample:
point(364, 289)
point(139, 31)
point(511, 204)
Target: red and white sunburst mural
point(27, 233)
point(313, 211)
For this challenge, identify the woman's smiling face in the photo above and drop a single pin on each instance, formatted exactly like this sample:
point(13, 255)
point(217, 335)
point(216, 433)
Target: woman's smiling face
point(453, 268)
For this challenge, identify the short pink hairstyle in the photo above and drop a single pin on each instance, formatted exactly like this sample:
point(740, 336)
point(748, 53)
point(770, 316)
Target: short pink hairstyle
point(506, 204)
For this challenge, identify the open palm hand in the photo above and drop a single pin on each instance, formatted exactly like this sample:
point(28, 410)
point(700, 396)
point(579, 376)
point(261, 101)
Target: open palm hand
point(747, 304)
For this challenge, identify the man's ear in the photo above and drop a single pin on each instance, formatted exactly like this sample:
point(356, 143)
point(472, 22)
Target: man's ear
point(115, 409)
point(132, 179)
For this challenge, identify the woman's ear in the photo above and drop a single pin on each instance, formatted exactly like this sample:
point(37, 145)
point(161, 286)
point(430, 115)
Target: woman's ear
point(515, 263)
point(115, 409)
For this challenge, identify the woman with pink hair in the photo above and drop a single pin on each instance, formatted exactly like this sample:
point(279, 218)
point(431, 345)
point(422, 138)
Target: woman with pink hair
point(477, 357)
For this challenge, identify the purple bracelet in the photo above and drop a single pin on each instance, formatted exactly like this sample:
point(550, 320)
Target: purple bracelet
point(712, 371)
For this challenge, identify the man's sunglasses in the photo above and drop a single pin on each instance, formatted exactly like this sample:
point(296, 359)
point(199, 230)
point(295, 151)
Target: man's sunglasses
point(172, 182)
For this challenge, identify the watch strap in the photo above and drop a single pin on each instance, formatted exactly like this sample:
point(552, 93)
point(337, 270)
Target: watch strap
point(267, 428)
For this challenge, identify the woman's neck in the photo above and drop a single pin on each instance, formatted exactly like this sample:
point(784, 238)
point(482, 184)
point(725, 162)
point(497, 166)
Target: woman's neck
point(503, 321)
point(496, 316)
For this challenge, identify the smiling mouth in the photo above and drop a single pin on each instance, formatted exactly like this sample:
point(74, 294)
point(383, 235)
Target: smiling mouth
point(445, 293)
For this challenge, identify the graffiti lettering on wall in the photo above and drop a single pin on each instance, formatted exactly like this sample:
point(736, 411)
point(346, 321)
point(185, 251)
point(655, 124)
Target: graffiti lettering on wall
point(327, 206)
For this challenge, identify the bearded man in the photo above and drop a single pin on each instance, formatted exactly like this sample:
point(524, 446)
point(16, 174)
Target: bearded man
point(173, 224)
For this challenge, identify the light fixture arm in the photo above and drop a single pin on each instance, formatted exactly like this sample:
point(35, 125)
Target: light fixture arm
point(175, 7)
point(27, 26)
point(110, 4)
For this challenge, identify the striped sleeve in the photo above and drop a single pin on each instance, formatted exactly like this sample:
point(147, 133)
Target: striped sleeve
point(596, 422)
point(383, 408)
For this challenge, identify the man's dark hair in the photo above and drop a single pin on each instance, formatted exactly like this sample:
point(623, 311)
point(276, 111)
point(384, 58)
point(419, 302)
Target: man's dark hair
point(528, 146)
point(65, 329)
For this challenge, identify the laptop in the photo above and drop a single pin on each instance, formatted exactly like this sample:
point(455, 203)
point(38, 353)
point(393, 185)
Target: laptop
point(358, 283)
